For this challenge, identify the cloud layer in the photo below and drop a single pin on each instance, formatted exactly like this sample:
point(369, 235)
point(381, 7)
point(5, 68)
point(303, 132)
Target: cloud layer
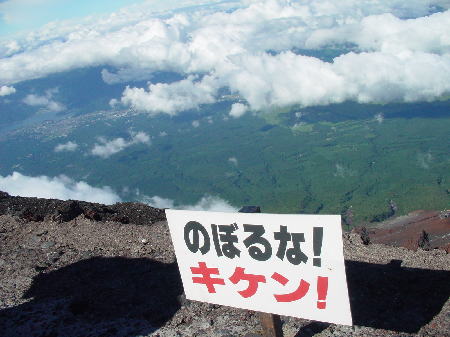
point(387, 50)
point(107, 148)
point(60, 187)
point(206, 203)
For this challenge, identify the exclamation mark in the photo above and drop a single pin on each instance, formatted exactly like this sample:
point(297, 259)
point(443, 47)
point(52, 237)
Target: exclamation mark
point(322, 289)
point(317, 245)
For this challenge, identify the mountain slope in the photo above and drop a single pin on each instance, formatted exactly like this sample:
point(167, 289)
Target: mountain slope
point(77, 276)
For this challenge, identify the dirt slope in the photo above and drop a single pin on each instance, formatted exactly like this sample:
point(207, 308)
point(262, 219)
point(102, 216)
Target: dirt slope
point(408, 230)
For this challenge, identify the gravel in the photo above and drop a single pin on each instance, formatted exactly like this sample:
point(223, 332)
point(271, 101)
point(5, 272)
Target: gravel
point(87, 277)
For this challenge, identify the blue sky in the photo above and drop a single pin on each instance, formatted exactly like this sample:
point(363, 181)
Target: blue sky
point(21, 15)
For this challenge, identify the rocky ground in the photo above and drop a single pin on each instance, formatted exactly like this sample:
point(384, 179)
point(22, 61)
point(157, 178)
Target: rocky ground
point(80, 269)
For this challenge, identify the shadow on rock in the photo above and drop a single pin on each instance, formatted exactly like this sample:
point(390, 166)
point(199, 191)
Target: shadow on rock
point(97, 297)
point(311, 329)
point(393, 297)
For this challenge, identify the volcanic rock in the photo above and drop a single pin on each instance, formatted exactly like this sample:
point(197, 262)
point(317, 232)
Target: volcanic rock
point(97, 278)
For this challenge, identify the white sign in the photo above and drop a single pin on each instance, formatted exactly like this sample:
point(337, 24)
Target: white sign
point(284, 264)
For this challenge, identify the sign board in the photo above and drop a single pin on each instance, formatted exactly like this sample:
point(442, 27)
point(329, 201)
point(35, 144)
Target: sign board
point(284, 264)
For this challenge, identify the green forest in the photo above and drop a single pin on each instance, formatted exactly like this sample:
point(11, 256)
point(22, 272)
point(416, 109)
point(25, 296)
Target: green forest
point(327, 160)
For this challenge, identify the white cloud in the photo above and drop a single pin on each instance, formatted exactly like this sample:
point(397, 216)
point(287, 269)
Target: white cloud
point(22, 11)
point(125, 75)
point(424, 160)
point(9, 48)
point(206, 203)
point(113, 103)
point(107, 148)
point(266, 80)
point(379, 117)
point(195, 124)
point(409, 71)
point(140, 137)
point(342, 171)
point(389, 34)
point(69, 146)
point(233, 160)
point(60, 187)
point(286, 78)
point(238, 110)
point(397, 43)
point(172, 98)
point(5, 90)
point(212, 204)
point(159, 202)
point(45, 101)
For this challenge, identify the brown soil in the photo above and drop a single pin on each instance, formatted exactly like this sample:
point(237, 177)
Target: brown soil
point(407, 231)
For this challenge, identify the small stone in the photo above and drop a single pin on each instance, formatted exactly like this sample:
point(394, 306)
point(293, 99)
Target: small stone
point(68, 210)
point(87, 254)
point(204, 325)
point(42, 232)
point(40, 266)
point(356, 328)
point(144, 241)
point(2, 262)
point(35, 239)
point(53, 256)
point(47, 244)
point(224, 332)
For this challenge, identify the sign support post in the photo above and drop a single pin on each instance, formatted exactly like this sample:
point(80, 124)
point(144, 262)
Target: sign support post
point(271, 323)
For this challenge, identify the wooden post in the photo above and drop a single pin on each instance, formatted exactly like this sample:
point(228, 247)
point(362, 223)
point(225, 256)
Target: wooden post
point(271, 323)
